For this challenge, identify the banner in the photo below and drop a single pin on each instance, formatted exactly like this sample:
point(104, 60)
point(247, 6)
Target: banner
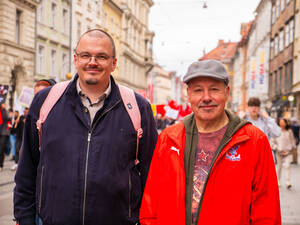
point(253, 74)
point(26, 96)
point(3, 93)
point(261, 76)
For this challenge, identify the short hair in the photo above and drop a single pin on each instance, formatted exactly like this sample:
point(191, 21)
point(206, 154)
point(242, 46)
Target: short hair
point(254, 101)
point(45, 82)
point(99, 33)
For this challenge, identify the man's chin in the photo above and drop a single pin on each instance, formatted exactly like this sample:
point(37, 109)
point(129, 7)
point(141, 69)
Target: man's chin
point(91, 82)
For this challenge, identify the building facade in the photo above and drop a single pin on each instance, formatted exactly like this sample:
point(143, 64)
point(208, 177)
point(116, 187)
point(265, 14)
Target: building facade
point(296, 75)
point(281, 57)
point(53, 51)
point(17, 47)
point(258, 53)
point(135, 60)
point(160, 85)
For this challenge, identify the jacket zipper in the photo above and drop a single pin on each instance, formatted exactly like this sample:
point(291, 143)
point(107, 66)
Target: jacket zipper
point(41, 190)
point(85, 176)
point(87, 157)
point(129, 195)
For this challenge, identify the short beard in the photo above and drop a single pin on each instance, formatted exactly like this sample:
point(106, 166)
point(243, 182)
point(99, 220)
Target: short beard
point(91, 82)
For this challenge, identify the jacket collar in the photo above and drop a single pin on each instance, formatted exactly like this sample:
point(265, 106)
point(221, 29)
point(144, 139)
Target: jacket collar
point(110, 100)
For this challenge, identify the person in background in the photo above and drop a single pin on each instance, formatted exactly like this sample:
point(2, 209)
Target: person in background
point(86, 169)
point(295, 128)
point(18, 130)
point(4, 133)
point(212, 168)
point(262, 120)
point(12, 136)
point(41, 84)
point(284, 144)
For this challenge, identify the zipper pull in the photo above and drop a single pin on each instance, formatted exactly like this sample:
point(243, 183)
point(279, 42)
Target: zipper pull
point(89, 136)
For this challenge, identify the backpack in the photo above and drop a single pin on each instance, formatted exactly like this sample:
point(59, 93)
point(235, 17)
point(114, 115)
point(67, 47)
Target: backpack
point(128, 99)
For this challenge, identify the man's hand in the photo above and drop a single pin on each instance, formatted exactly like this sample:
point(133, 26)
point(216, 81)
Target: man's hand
point(264, 114)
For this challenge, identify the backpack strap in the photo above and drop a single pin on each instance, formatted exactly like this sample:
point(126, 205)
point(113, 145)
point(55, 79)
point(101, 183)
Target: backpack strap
point(133, 110)
point(53, 96)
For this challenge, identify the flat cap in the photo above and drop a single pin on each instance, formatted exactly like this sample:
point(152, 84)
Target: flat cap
point(207, 68)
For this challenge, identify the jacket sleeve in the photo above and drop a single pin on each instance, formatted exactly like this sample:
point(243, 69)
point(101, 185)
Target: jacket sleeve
point(265, 205)
point(25, 178)
point(148, 212)
point(273, 129)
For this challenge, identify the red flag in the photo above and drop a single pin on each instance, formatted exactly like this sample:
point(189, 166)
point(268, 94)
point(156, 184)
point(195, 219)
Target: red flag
point(1, 120)
point(160, 109)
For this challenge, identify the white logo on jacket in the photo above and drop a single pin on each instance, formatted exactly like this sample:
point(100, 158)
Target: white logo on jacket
point(175, 149)
point(233, 155)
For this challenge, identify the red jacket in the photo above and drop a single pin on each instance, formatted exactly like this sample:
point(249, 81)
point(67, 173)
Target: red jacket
point(241, 188)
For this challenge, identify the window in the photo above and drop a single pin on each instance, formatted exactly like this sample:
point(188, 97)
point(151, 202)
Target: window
point(291, 24)
point(53, 15)
point(277, 8)
point(272, 49)
point(105, 20)
point(281, 43)
point(286, 75)
point(18, 26)
point(276, 83)
point(280, 80)
point(282, 5)
point(64, 65)
point(65, 21)
point(112, 27)
point(41, 60)
point(273, 14)
point(53, 64)
point(40, 12)
point(276, 45)
point(290, 75)
point(271, 85)
point(287, 35)
point(78, 29)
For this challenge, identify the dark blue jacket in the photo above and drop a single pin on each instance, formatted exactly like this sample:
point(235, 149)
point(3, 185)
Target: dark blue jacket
point(84, 174)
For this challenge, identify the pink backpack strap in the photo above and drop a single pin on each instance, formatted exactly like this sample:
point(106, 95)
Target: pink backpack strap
point(133, 110)
point(54, 94)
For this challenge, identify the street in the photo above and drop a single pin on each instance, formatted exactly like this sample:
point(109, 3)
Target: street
point(290, 199)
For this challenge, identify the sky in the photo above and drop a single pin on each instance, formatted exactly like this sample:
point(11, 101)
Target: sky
point(184, 29)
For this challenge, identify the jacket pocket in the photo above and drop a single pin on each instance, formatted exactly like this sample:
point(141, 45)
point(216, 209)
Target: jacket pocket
point(41, 190)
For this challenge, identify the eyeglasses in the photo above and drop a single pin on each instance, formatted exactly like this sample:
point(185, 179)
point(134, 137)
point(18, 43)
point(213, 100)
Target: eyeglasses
point(85, 57)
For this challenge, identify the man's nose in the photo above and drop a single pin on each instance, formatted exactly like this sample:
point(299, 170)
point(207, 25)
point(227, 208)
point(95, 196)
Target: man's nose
point(93, 60)
point(206, 95)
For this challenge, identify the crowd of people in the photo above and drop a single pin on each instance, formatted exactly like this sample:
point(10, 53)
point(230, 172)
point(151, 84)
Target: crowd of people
point(11, 131)
point(12, 125)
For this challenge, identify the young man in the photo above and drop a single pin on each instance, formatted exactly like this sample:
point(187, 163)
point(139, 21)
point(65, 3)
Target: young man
point(261, 119)
point(213, 168)
point(85, 171)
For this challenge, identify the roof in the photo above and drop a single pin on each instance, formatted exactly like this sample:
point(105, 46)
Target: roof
point(223, 52)
point(245, 30)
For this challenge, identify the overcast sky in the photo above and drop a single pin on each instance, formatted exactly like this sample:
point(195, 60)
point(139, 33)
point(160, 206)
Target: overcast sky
point(183, 29)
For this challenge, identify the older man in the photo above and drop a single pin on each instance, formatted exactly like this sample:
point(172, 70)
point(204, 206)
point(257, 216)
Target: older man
point(85, 172)
point(213, 168)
